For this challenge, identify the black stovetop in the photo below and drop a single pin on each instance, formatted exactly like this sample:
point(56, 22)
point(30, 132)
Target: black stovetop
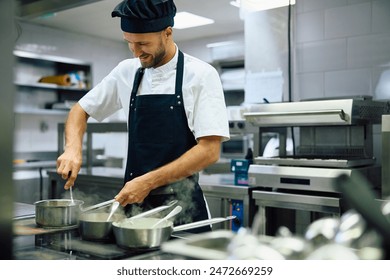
point(68, 245)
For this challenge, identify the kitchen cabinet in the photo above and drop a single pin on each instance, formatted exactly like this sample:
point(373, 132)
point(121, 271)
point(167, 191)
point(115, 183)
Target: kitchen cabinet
point(37, 97)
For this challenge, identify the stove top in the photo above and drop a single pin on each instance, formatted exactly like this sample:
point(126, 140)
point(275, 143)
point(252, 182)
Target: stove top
point(68, 245)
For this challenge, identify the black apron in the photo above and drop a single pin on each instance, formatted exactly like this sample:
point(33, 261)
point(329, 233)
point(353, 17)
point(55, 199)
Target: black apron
point(159, 134)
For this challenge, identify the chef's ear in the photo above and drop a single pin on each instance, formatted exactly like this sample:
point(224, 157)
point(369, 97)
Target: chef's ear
point(168, 31)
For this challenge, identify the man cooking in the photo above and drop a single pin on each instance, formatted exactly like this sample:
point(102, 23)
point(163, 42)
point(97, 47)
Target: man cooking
point(176, 112)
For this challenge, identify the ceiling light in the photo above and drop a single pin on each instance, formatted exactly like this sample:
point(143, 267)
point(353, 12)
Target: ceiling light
point(187, 20)
point(235, 3)
point(261, 5)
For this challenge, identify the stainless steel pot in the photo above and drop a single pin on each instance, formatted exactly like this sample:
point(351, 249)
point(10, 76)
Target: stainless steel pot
point(96, 226)
point(57, 213)
point(139, 233)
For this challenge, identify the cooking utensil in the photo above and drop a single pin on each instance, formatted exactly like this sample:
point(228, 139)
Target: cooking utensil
point(96, 226)
point(114, 207)
point(57, 213)
point(99, 205)
point(171, 214)
point(139, 233)
point(71, 195)
point(153, 211)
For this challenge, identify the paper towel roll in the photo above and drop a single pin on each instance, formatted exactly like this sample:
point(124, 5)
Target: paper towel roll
point(61, 80)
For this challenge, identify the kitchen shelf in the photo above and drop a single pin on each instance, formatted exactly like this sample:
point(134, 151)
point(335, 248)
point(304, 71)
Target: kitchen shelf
point(51, 87)
point(31, 67)
point(41, 111)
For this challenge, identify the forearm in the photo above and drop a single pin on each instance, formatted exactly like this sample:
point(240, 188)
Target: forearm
point(203, 154)
point(75, 127)
point(69, 163)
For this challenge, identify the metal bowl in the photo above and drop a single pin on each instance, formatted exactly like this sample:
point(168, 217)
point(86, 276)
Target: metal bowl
point(57, 213)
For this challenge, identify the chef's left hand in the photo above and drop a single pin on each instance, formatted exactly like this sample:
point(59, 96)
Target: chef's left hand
point(134, 191)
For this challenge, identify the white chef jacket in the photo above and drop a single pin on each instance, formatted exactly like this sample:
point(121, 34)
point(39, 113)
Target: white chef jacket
point(203, 96)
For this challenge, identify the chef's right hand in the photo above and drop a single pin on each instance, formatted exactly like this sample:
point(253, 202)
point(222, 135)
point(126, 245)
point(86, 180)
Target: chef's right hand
point(68, 166)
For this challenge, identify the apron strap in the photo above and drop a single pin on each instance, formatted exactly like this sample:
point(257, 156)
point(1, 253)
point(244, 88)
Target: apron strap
point(179, 74)
point(137, 80)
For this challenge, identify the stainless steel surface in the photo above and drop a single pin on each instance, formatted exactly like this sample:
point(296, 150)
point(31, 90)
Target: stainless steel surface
point(57, 212)
point(300, 178)
point(314, 162)
point(385, 156)
point(22, 210)
point(220, 196)
point(313, 202)
point(316, 113)
point(36, 8)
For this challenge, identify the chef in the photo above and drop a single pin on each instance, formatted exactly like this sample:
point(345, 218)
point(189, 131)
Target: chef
point(176, 112)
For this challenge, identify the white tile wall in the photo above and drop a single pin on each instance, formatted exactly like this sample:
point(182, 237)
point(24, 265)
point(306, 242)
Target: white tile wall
point(348, 82)
point(348, 42)
point(310, 26)
point(348, 21)
point(380, 16)
point(323, 55)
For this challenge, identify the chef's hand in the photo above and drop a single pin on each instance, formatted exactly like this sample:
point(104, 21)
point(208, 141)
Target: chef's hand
point(68, 166)
point(134, 191)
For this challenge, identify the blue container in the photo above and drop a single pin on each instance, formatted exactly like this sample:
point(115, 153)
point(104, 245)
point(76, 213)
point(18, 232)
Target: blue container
point(240, 168)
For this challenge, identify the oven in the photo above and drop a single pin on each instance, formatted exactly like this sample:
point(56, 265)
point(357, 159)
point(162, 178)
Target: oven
point(331, 137)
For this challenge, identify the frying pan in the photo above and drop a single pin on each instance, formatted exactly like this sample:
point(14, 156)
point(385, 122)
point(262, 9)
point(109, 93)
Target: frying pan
point(140, 233)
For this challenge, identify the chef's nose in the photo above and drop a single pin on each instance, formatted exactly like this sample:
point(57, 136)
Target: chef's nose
point(136, 50)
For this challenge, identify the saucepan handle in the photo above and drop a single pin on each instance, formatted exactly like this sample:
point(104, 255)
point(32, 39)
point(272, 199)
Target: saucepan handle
point(202, 223)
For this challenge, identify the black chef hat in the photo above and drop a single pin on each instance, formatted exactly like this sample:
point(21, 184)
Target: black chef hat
point(144, 16)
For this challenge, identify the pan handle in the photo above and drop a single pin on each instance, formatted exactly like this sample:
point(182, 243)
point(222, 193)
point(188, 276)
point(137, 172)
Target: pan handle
point(153, 211)
point(99, 205)
point(202, 223)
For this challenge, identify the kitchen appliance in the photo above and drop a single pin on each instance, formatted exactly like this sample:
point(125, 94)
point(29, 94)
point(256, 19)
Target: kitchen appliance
point(241, 138)
point(332, 137)
point(335, 137)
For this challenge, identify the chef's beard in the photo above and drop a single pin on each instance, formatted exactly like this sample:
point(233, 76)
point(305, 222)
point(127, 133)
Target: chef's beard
point(157, 58)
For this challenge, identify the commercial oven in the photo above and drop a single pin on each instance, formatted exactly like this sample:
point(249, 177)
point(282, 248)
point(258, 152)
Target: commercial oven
point(331, 137)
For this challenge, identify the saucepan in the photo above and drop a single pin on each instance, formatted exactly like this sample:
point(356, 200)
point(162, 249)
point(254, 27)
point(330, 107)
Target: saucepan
point(60, 213)
point(97, 226)
point(142, 234)
point(57, 213)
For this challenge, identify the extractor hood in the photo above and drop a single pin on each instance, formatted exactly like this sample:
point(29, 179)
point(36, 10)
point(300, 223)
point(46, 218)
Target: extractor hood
point(35, 8)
